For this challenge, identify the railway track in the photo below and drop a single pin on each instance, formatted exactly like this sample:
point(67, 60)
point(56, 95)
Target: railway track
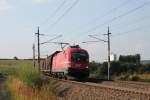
point(106, 90)
point(137, 86)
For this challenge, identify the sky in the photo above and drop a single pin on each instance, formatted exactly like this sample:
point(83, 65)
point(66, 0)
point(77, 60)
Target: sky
point(128, 20)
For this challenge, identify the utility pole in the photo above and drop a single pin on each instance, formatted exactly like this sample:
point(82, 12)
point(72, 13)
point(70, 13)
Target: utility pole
point(106, 41)
point(33, 55)
point(38, 38)
point(108, 36)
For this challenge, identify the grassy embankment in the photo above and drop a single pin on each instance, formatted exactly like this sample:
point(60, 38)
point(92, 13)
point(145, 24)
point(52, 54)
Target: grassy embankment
point(25, 82)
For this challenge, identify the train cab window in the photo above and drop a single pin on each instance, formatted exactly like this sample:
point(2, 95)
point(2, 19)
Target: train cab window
point(79, 57)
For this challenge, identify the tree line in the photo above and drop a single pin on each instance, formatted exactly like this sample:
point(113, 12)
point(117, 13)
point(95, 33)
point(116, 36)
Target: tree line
point(129, 64)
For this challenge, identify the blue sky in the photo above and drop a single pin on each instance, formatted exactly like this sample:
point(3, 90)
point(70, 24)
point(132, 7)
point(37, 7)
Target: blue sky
point(19, 21)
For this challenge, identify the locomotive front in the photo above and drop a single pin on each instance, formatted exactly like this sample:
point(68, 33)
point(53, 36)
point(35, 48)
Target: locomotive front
point(79, 61)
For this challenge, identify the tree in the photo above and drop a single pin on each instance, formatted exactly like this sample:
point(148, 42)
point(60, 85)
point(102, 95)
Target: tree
point(15, 58)
point(130, 58)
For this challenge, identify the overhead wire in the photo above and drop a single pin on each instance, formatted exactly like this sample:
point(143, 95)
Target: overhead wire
point(67, 11)
point(111, 11)
point(133, 30)
point(103, 16)
point(51, 39)
point(54, 13)
point(124, 14)
point(144, 18)
point(107, 13)
point(120, 16)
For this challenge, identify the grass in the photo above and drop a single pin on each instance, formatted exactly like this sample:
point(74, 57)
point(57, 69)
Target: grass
point(21, 69)
point(8, 67)
point(29, 75)
point(145, 77)
point(25, 82)
point(21, 91)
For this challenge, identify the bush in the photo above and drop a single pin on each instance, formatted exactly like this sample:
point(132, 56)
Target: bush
point(93, 66)
point(134, 77)
point(115, 68)
point(104, 68)
point(145, 68)
point(124, 77)
point(128, 77)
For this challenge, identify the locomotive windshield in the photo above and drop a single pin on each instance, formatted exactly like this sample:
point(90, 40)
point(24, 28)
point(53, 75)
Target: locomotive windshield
point(80, 57)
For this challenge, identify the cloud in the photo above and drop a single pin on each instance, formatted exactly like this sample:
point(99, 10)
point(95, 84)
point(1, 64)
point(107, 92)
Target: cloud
point(4, 5)
point(40, 1)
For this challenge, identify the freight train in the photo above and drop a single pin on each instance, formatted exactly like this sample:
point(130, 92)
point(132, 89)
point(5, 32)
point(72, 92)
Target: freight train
point(72, 62)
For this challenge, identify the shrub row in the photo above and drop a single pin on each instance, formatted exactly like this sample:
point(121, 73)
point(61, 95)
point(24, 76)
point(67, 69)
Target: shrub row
point(117, 68)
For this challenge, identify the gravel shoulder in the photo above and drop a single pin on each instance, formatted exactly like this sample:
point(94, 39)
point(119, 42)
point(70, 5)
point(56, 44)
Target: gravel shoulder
point(72, 91)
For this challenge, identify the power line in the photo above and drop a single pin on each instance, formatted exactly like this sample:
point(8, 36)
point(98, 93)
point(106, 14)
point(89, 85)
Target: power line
point(120, 16)
point(67, 11)
point(90, 41)
point(111, 11)
point(132, 23)
point(97, 38)
point(107, 13)
point(136, 29)
point(54, 13)
point(50, 35)
point(51, 39)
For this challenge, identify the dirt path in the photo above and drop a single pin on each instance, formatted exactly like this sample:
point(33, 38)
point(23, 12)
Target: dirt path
point(4, 94)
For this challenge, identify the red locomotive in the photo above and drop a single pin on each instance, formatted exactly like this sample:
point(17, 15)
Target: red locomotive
point(73, 62)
